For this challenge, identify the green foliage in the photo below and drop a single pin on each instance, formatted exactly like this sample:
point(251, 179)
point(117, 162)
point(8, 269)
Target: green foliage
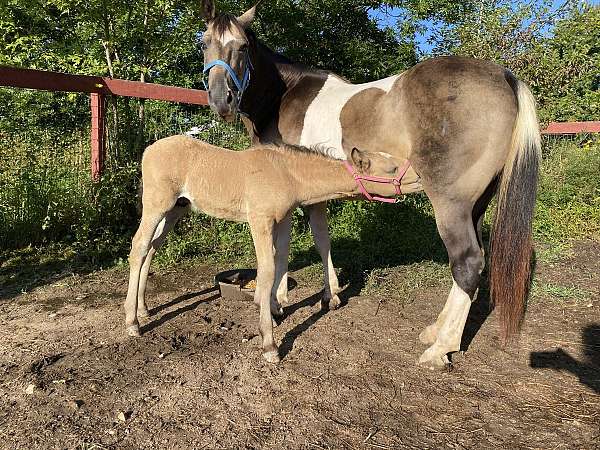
point(555, 51)
point(568, 204)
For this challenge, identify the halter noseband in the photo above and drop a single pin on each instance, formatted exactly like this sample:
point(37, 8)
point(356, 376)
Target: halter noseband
point(241, 85)
point(396, 181)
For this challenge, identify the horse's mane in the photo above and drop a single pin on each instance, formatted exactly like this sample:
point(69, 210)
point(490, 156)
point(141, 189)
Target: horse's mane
point(320, 151)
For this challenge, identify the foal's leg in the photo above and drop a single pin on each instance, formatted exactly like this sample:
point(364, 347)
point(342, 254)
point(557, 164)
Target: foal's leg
point(318, 226)
point(282, 250)
point(262, 235)
point(163, 229)
point(456, 227)
point(139, 251)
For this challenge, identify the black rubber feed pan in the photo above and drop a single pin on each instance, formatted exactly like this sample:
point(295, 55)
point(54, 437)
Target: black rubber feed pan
point(232, 284)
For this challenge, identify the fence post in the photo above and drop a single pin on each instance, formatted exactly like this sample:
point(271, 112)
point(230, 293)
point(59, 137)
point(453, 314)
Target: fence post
point(97, 139)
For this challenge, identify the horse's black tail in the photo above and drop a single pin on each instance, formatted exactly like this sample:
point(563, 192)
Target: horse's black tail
point(511, 243)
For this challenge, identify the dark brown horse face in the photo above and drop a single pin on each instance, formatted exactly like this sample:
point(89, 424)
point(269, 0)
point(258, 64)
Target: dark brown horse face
point(226, 59)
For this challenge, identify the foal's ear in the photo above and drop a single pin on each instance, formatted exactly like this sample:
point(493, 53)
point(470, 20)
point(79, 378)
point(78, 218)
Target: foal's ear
point(360, 160)
point(246, 19)
point(208, 10)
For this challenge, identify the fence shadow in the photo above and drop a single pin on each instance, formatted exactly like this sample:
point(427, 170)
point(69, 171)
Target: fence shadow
point(25, 272)
point(587, 370)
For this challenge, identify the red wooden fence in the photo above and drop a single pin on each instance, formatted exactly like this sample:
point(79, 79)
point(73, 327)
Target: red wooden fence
point(99, 87)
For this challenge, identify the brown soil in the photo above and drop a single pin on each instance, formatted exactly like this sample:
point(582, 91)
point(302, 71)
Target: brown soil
point(70, 378)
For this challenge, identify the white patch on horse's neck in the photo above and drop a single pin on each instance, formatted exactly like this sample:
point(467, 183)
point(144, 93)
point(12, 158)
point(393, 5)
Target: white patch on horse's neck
point(322, 124)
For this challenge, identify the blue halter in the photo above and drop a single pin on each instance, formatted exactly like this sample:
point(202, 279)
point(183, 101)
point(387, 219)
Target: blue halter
point(241, 85)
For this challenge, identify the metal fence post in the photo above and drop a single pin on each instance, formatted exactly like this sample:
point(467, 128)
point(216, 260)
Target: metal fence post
point(97, 138)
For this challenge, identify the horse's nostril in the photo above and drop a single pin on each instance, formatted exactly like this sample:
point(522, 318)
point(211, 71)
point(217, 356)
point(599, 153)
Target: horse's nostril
point(229, 96)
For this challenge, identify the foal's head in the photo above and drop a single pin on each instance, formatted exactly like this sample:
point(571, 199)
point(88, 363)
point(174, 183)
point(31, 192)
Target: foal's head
point(227, 53)
point(378, 164)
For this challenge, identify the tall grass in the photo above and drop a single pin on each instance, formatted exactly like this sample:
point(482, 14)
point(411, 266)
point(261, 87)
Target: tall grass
point(46, 197)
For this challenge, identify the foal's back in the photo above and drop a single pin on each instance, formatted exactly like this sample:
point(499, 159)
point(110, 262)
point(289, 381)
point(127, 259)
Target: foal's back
point(220, 182)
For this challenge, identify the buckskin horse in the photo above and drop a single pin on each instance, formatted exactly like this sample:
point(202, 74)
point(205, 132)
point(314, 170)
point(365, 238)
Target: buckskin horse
point(468, 127)
point(179, 173)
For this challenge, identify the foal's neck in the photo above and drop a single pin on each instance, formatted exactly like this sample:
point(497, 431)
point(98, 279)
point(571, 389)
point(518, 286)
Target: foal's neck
point(318, 179)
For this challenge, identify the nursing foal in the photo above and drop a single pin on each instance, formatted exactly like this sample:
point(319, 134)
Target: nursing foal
point(261, 186)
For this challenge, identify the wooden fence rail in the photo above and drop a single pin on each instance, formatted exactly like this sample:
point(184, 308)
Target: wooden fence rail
point(99, 87)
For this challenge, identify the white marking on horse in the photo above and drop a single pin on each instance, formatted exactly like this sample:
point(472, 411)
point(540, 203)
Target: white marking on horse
point(322, 124)
point(450, 326)
point(228, 36)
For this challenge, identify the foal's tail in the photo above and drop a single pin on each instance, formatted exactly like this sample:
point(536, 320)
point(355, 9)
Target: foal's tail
point(511, 241)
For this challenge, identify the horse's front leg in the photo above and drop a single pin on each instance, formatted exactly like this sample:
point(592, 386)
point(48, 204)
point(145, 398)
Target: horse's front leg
point(318, 226)
point(262, 235)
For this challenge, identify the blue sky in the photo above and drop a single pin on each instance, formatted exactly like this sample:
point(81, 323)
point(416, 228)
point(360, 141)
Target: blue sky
point(389, 17)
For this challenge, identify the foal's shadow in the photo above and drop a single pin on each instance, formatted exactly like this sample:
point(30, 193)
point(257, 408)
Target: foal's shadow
point(177, 312)
point(288, 340)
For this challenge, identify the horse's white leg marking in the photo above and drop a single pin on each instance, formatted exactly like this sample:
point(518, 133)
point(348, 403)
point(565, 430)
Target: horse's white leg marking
point(318, 226)
point(451, 323)
point(282, 250)
point(322, 124)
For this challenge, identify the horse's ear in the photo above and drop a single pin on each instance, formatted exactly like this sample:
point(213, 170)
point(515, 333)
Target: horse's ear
point(246, 19)
point(360, 160)
point(208, 10)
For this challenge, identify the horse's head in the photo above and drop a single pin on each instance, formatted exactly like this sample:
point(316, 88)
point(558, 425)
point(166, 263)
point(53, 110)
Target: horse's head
point(228, 52)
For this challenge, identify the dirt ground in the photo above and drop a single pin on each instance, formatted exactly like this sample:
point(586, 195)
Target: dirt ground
point(70, 378)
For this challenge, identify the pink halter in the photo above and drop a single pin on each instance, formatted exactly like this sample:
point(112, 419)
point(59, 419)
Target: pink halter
point(397, 181)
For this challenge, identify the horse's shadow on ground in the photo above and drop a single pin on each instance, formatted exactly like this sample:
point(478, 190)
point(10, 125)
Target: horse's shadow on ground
point(588, 370)
point(393, 236)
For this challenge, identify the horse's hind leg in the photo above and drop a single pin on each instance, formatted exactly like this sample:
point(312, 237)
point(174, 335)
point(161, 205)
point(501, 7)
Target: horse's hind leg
point(139, 252)
point(457, 229)
point(318, 226)
point(163, 229)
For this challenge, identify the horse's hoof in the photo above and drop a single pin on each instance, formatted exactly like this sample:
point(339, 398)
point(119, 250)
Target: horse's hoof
point(134, 331)
point(429, 335)
point(143, 313)
point(432, 360)
point(335, 302)
point(272, 356)
point(276, 311)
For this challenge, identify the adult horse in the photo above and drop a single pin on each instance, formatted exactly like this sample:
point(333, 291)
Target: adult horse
point(468, 127)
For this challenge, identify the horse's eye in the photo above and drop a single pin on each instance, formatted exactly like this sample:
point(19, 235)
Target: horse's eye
point(203, 46)
point(243, 48)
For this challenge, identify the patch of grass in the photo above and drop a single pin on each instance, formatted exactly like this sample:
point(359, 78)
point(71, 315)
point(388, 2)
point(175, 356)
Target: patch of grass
point(568, 205)
point(559, 292)
point(404, 281)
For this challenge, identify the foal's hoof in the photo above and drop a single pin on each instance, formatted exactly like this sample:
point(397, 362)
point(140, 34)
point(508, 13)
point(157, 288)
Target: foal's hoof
point(432, 360)
point(331, 303)
point(143, 313)
point(272, 356)
point(134, 331)
point(429, 335)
